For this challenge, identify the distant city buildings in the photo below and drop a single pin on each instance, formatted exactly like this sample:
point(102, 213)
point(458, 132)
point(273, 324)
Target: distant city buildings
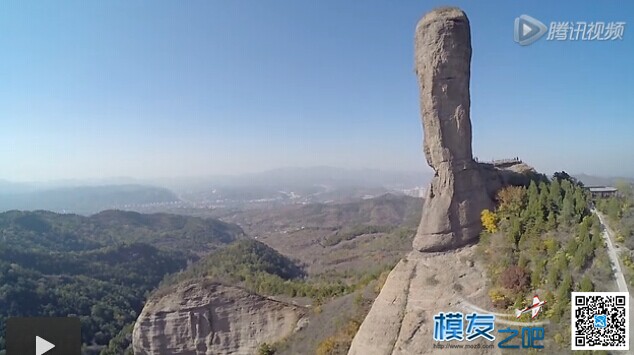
point(418, 191)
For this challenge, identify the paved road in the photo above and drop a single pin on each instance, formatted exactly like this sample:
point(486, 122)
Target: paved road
point(616, 267)
point(608, 235)
point(620, 279)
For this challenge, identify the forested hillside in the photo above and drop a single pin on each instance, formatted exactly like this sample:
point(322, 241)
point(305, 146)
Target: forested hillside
point(620, 217)
point(103, 267)
point(99, 268)
point(384, 210)
point(337, 237)
point(261, 269)
point(43, 230)
point(543, 239)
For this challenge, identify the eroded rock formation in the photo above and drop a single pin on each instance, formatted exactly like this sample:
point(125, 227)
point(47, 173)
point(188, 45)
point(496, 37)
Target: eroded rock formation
point(401, 320)
point(425, 283)
point(458, 194)
point(205, 317)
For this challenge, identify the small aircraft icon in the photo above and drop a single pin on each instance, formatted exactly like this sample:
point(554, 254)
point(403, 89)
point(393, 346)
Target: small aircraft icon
point(534, 308)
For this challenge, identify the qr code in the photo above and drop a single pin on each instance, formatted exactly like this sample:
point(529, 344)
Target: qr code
point(600, 321)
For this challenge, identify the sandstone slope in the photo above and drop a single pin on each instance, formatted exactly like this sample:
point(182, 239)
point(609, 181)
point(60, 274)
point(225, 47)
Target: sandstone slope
point(205, 317)
point(421, 285)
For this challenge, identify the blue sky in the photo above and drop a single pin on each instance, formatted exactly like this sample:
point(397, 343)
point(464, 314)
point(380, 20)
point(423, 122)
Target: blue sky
point(173, 88)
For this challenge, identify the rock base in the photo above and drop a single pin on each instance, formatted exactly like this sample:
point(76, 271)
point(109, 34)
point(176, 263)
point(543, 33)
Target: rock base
point(421, 285)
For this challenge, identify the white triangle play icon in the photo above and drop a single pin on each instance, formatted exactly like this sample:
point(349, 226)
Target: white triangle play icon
point(526, 29)
point(42, 346)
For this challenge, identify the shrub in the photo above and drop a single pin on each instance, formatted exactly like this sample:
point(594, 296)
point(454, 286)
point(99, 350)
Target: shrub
point(489, 221)
point(498, 298)
point(515, 278)
point(266, 349)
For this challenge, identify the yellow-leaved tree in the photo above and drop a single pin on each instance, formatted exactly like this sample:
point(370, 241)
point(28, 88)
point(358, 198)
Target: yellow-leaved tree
point(489, 221)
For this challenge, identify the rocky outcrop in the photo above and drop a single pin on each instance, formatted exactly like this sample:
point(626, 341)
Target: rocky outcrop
point(206, 317)
point(421, 285)
point(518, 174)
point(426, 281)
point(458, 194)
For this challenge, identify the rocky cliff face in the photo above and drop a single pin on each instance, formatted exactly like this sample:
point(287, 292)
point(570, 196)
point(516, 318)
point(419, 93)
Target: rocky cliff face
point(421, 285)
point(205, 317)
point(457, 195)
point(427, 281)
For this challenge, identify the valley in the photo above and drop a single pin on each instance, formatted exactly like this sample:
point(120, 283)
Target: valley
point(322, 258)
point(98, 268)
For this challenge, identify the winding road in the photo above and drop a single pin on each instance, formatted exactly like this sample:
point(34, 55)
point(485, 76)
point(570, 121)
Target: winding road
point(613, 253)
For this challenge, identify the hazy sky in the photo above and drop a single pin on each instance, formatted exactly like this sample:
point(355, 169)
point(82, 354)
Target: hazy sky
point(183, 88)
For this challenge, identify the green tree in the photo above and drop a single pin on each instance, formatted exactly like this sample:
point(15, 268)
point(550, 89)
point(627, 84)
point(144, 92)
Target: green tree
point(515, 231)
point(586, 284)
point(552, 246)
point(568, 209)
point(563, 291)
point(614, 208)
point(533, 214)
point(544, 193)
point(563, 176)
point(533, 199)
point(625, 189)
point(581, 203)
point(555, 195)
point(553, 275)
point(536, 276)
point(551, 221)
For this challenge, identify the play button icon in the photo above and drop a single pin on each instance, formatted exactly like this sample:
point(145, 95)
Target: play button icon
point(528, 30)
point(42, 345)
point(43, 336)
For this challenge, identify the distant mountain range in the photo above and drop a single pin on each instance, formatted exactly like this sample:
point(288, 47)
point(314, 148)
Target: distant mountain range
point(590, 180)
point(274, 187)
point(290, 177)
point(81, 199)
point(295, 186)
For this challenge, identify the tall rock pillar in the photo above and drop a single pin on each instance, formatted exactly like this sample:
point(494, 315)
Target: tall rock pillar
point(401, 319)
point(457, 195)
